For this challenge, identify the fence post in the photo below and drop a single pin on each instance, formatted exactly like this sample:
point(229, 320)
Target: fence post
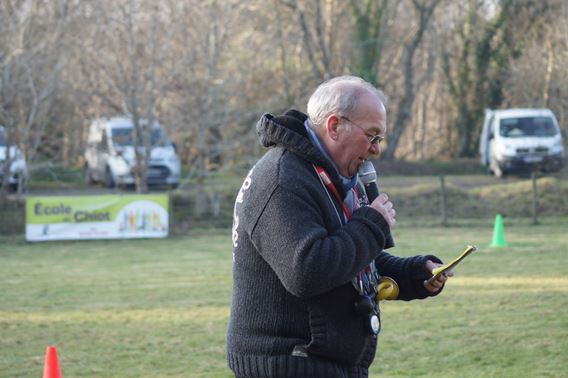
point(443, 201)
point(534, 198)
point(171, 221)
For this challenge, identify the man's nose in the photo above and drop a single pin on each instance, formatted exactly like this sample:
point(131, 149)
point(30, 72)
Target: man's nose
point(375, 149)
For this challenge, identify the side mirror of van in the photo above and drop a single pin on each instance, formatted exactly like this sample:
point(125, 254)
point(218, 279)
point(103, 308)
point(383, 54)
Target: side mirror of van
point(174, 145)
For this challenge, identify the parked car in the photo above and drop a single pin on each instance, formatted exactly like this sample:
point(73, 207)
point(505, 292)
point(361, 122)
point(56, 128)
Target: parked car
point(521, 140)
point(110, 155)
point(18, 171)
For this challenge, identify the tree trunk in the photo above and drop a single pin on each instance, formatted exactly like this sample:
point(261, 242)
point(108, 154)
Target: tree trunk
point(405, 104)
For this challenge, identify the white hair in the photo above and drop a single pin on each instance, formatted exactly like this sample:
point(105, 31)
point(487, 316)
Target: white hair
point(339, 95)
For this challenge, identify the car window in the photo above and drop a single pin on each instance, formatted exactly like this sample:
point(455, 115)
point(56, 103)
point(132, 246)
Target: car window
point(527, 127)
point(124, 137)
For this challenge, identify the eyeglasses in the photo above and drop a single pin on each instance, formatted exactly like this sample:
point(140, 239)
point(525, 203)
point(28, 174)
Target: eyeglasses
point(373, 139)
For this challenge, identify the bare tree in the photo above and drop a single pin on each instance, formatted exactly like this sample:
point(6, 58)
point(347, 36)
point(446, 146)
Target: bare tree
point(316, 20)
point(31, 35)
point(424, 11)
point(478, 66)
point(367, 29)
point(537, 78)
point(126, 65)
point(371, 28)
point(213, 82)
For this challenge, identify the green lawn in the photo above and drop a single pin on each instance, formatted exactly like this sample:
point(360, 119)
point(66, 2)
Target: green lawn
point(157, 308)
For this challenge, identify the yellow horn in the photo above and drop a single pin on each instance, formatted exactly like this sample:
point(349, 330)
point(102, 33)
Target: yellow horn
point(387, 289)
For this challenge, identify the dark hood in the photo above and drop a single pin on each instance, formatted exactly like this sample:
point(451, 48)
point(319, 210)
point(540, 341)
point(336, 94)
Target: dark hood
point(288, 131)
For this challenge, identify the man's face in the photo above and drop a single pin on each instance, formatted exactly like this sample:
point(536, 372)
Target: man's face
point(352, 144)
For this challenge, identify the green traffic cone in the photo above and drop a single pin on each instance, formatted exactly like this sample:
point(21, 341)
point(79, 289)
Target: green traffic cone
point(498, 233)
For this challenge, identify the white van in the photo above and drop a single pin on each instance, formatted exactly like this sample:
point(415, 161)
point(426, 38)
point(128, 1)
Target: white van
point(110, 155)
point(18, 171)
point(520, 140)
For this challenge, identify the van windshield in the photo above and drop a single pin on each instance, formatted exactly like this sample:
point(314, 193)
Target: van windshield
point(124, 137)
point(527, 127)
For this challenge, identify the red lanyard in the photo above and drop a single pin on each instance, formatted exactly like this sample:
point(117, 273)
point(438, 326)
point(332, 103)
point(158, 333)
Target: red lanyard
point(329, 185)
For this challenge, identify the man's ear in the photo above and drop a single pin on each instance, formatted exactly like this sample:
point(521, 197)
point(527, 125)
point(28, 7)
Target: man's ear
point(332, 126)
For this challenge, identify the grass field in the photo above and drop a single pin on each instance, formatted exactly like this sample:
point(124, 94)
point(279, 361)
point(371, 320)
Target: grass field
point(159, 308)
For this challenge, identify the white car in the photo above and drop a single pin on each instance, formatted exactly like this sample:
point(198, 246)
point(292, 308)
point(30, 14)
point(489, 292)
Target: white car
point(110, 157)
point(18, 173)
point(516, 140)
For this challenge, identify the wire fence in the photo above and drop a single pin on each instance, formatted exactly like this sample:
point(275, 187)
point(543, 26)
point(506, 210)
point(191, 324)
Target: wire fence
point(429, 200)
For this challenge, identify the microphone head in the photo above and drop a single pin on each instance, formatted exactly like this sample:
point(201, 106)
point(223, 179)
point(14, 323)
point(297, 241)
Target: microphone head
point(367, 172)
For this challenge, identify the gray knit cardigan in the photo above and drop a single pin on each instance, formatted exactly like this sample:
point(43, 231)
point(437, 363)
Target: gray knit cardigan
point(292, 311)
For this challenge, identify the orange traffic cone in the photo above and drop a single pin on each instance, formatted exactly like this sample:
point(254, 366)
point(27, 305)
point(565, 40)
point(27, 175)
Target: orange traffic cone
point(51, 368)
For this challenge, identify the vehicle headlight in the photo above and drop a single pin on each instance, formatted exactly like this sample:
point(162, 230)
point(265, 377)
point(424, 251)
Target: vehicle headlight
point(121, 167)
point(557, 148)
point(507, 151)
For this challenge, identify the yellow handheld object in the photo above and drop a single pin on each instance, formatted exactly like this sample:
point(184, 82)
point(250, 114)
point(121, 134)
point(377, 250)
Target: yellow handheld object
point(387, 289)
point(445, 269)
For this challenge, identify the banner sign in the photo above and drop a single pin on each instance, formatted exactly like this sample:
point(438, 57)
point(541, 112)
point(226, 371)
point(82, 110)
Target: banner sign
point(97, 217)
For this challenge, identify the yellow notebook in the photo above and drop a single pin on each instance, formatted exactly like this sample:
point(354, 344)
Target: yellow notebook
point(445, 269)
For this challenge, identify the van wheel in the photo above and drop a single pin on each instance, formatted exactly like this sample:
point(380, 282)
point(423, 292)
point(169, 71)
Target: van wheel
point(109, 181)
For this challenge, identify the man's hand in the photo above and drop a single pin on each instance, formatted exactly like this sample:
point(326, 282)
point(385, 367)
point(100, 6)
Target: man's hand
point(385, 207)
point(435, 285)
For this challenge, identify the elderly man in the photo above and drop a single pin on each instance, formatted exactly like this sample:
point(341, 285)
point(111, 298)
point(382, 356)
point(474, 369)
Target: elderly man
point(308, 247)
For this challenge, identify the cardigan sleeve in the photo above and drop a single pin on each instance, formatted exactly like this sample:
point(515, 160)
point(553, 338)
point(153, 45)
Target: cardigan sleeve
point(293, 237)
point(408, 272)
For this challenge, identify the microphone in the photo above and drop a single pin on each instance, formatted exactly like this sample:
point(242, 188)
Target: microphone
point(368, 177)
